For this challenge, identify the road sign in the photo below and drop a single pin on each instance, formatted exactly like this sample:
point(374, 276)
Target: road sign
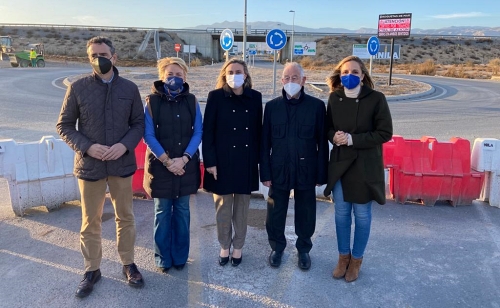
point(304, 48)
point(226, 39)
point(276, 39)
point(373, 45)
point(361, 51)
point(177, 47)
point(394, 25)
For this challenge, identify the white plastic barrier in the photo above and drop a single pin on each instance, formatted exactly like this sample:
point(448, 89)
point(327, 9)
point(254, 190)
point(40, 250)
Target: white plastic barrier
point(38, 173)
point(486, 158)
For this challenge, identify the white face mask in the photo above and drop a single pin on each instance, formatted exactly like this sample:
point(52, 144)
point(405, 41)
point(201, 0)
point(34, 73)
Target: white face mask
point(292, 88)
point(235, 81)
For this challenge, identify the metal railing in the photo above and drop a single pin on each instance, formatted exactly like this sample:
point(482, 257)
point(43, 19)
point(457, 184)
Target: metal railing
point(237, 31)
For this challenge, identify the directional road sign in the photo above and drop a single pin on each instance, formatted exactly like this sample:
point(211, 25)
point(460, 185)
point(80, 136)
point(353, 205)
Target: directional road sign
point(226, 39)
point(276, 39)
point(373, 45)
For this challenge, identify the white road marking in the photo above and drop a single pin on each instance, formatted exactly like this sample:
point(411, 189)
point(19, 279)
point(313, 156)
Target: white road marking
point(432, 97)
point(54, 83)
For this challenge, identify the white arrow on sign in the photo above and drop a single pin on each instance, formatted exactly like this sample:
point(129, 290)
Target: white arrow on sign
point(278, 34)
point(227, 40)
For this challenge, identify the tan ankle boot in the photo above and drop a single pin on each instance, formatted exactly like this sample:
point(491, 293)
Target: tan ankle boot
point(341, 267)
point(353, 269)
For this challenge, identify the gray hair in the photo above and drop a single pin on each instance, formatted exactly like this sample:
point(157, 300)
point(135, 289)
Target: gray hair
point(295, 65)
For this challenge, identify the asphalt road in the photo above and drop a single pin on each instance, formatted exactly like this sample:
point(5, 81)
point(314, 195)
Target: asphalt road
point(417, 256)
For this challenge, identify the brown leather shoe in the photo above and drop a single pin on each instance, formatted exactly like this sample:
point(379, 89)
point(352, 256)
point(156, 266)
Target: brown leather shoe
point(87, 284)
point(134, 277)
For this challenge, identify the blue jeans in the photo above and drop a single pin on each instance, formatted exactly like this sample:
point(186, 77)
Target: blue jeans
point(171, 231)
point(343, 221)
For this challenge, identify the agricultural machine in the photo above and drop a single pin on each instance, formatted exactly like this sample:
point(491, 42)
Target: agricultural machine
point(22, 58)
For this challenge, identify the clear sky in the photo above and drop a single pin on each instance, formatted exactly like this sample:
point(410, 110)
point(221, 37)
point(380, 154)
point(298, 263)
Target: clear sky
point(349, 14)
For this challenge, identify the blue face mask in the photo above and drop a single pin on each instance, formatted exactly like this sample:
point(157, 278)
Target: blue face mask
point(174, 83)
point(350, 81)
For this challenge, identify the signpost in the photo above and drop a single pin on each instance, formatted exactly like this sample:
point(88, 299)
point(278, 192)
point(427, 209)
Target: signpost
point(372, 46)
point(226, 41)
point(361, 51)
point(394, 26)
point(189, 49)
point(276, 40)
point(252, 51)
point(177, 48)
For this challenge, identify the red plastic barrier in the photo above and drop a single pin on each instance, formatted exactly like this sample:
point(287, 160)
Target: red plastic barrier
point(137, 178)
point(202, 169)
point(429, 170)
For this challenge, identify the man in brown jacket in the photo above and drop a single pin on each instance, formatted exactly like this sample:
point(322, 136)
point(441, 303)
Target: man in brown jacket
point(110, 117)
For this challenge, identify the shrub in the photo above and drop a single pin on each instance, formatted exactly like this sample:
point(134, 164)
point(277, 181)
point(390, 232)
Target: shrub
point(196, 62)
point(305, 62)
point(426, 68)
point(495, 65)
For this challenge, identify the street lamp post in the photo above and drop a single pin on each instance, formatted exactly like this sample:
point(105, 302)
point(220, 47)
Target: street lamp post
point(293, 30)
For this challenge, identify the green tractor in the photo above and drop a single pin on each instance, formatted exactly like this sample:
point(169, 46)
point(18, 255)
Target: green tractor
point(22, 58)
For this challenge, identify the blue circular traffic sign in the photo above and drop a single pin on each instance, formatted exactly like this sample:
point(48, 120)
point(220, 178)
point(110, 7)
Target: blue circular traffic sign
point(373, 45)
point(226, 39)
point(276, 39)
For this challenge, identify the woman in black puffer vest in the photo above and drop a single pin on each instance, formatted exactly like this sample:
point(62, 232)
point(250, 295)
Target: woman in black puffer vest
point(173, 133)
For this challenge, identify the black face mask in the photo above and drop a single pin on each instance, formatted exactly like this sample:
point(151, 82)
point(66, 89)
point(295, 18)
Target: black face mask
point(101, 65)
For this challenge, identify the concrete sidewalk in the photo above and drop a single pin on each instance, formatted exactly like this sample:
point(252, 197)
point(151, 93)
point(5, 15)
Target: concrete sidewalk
point(417, 257)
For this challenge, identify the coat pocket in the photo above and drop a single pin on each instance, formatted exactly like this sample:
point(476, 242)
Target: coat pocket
point(306, 131)
point(306, 174)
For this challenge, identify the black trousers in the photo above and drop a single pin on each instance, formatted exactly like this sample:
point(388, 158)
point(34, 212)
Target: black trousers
point(305, 218)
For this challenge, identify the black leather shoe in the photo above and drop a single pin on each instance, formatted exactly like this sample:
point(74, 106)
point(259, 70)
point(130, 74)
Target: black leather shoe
point(236, 261)
point(223, 260)
point(304, 260)
point(87, 284)
point(134, 277)
point(275, 258)
point(179, 267)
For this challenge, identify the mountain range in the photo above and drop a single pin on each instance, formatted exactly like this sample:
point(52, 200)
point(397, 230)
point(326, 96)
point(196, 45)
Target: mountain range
point(467, 31)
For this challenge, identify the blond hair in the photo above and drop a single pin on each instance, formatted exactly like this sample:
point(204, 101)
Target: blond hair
point(333, 80)
point(221, 80)
point(163, 63)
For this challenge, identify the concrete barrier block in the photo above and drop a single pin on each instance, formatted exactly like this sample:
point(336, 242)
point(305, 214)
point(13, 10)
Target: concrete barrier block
point(39, 173)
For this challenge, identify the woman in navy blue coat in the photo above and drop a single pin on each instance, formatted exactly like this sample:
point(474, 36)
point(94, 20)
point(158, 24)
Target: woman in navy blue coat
point(231, 138)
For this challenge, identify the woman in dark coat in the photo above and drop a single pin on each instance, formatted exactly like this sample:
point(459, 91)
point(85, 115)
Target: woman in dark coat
point(172, 169)
point(358, 122)
point(232, 127)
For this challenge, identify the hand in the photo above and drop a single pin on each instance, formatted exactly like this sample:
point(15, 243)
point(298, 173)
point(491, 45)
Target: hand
point(177, 166)
point(267, 183)
point(340, 138)
point(114, 152)
point(213, 171)
point(97, 150)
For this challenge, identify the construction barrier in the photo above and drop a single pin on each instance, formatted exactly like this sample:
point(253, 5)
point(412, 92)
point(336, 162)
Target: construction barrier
point(486, 158)
point(38, 173)
point(428, 171)
point(138, 177)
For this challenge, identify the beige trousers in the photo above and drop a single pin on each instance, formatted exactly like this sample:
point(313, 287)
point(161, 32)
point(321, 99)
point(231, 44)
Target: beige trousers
point(231, 211)
point(92, 200)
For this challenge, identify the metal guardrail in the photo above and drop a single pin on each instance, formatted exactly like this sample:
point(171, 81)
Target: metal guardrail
point(240, 31)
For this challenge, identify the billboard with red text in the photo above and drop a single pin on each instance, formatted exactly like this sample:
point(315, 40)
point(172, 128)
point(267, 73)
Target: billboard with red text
point(394, 25)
